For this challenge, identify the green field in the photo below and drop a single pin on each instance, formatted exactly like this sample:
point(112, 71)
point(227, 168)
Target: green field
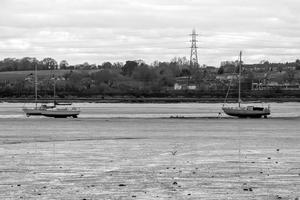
point(19, 75)
point(42, 74)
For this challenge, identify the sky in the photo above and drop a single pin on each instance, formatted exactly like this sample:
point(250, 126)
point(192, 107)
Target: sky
point(96, 31)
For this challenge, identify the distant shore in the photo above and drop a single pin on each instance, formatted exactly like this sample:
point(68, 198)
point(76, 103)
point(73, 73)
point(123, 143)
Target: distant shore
point(148, 100)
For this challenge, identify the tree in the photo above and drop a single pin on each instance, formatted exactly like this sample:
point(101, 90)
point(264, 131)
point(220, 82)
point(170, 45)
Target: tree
point(155, 63)
point(106, 65)
point(27, 63)
point(117, 66)
point(9, 64)
point(167, 81)
point(50, 63)
point(297, 64)
point(63, 64)
point(86, 82)
point(86, 66)
point(129, 67)
point(199, 76)
point(185, 72)
point(104, 76)
point(144, 74)
point(290, 76)
point(221, 70)
point(76, 77)
point(264, 62)
point(182, 62)
point(174, 68)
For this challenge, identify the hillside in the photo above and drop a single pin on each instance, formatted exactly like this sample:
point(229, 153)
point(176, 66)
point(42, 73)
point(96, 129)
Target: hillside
point(42, 74)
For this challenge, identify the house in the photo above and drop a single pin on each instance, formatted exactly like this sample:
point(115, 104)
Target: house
point(184, 83)
point(257, 68)
point(226, 77)
point(275, 85)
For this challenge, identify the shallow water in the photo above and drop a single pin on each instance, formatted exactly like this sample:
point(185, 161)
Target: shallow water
point(135, 151)
point(123, 110)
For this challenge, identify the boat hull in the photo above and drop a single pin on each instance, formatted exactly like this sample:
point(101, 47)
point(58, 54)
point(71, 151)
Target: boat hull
point(61, 113)
point(32, 111)
point(35, 111)
point(245, 112)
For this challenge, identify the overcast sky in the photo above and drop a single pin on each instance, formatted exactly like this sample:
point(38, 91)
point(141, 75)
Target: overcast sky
point(118, 30)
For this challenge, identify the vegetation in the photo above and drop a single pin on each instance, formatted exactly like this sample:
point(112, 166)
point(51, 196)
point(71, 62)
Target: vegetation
point(136, 78)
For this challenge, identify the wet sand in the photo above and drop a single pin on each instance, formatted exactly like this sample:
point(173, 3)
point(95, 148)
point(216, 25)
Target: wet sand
point(149, 159)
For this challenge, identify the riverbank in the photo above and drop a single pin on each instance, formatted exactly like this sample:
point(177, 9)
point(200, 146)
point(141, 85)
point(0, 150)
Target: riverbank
point(150, 100)
point(152, 110)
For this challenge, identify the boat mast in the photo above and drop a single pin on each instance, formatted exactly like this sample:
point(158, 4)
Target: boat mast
point(240, 69)
point(54, 92)
point(54, 88)
point(35, 84)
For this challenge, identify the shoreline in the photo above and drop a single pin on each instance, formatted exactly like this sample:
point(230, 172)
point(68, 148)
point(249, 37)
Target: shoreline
point(148, 100)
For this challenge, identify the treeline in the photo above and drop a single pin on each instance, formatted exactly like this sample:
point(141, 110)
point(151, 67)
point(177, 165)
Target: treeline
point(27, 64)
point(134, 77)
point(263, 66)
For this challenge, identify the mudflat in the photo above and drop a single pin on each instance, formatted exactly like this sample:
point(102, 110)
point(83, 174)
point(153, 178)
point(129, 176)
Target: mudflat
point(122, 158)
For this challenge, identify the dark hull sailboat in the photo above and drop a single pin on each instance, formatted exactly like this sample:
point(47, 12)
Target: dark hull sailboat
point(245, 111)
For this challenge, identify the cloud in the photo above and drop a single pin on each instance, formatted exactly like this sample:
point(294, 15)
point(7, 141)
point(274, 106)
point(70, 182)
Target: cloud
point(120, 30)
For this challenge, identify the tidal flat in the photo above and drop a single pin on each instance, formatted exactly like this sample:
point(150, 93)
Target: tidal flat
point(149, 158)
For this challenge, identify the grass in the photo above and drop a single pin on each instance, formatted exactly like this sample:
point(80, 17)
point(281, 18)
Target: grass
point(21, 75)
point(42, 74)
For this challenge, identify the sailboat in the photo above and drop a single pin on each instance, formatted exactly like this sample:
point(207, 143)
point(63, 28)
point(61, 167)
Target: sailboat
point(248, 111)
point(36, 110)
point(57, 110)
point(60, 110)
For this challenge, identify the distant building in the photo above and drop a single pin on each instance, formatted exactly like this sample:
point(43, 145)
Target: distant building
point(292, 68)
point(226, 77)
point(275, 85)
point(184, 83)
point(268, 68)
point(257, 68)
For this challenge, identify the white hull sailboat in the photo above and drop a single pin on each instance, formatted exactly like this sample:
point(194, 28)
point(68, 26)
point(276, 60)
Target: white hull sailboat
point(58, 110)
point(32, 111)
point(36, 110)
point(248, 111)
point(61, 110)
